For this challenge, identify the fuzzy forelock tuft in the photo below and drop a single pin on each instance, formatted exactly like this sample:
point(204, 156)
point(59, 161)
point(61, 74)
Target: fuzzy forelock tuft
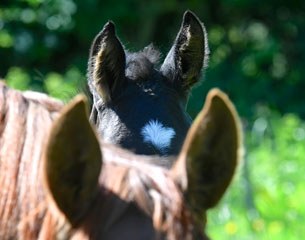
point(140, 64)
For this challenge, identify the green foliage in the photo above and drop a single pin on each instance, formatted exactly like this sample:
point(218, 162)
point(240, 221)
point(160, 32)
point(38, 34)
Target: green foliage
point(63, 87)
point(18, 78)
point(6, 39)
point(269, 202)
point(257, 48)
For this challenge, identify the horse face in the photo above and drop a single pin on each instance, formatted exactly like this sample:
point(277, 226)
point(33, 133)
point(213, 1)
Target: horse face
point(137, 105)
point(147, 118)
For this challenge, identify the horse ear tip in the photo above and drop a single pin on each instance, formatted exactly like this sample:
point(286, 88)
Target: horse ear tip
point(189, 17)
point(109, 27)
point(80, 100)
point(216, 93)
point(188, 13)
point(76, 105)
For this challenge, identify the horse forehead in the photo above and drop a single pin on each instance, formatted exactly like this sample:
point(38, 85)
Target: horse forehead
point(155, 114)
point(148, 98)
point(140, 65)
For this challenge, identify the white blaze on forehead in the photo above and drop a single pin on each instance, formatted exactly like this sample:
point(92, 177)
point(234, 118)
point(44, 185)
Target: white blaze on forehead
point(156, 134)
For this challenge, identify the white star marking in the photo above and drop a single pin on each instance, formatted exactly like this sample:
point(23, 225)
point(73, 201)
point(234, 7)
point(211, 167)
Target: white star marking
point(156, 134)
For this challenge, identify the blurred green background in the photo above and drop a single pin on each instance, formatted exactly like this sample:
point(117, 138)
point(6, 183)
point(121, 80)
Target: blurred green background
point(257, 57)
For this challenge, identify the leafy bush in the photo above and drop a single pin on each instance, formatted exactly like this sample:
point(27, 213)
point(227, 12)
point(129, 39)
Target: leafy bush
point(266, 199)
point(63, 87)
point(257, 50)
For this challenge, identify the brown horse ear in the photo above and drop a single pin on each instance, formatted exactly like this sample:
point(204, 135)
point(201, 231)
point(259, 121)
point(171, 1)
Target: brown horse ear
point(210, 153)
point(73, 161)
point(106, 66)
point(189, 53)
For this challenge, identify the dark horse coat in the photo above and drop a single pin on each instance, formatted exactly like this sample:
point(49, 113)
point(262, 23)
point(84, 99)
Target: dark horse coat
point(138, 105)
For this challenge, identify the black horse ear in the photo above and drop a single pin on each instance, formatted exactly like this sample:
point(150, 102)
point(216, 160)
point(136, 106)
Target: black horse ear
point(106, 67)
point(189, 53)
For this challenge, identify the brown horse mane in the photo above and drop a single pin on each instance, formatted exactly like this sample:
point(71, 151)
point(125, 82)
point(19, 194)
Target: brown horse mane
point(25, 119)
point(153, 190)
point(26, 212)
point(149, 188)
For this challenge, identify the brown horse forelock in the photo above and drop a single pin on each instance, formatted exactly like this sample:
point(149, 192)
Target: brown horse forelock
point(151, 188)
point(25, 212)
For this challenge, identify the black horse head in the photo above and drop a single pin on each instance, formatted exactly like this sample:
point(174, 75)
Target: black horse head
point(137, 105)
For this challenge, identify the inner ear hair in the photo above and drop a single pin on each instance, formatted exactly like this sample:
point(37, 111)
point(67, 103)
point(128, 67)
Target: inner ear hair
point(194, 50)
point(189, 54)
point(106, 67)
